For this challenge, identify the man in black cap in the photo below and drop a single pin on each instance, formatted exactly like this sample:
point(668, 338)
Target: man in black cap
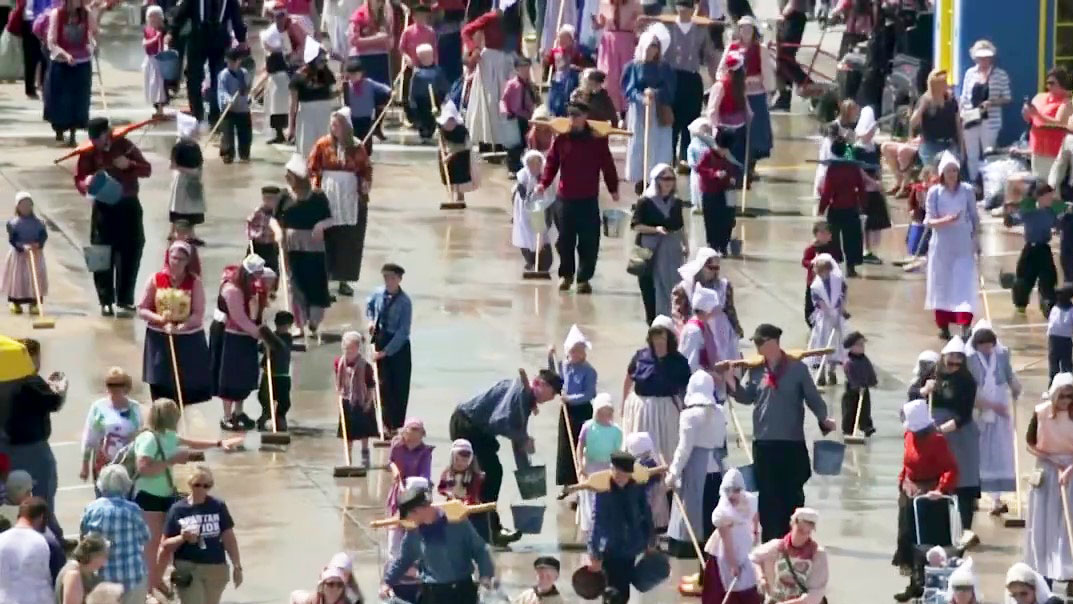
point(578, 157)
point(118, 225)
point(502, 410)
point(545, 591)
point(446, 550)
point(207, 25)
point(622, 529)
point(390, 314)
point(779, 390)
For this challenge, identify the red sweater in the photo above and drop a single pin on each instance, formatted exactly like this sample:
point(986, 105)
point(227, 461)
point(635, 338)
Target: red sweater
point(711, 163)
point(843, 187)
point(95, 159)
point(814, 250)
point(579, 158)
point(491, 24)
point(927, 459)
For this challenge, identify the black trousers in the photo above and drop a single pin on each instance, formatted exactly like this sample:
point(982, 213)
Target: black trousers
point(395, 386)
point(543, 263)
point(1035, 265)
point(850, 398)
point(196, 57)
point(782, 468)
point(809, 306)
point(709, 500)
point(1065, 257)
point(1059, 355)
point(119, 226)
point(281, 388)
point(619, 572)
point(689, 88)
point(514, 154)
point(486, 452)
point(461, 592)
point(32, 57)
point(578, 222)
point(719, 221)
point(236, 126)
point(967, 498)
point(362, 126)
point(846, 234)
point(647, 285)
point(791, 30)
point(270, 253)
point(565, 472)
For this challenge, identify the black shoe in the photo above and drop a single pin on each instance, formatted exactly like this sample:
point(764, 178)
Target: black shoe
point(59, 137)
point(583, 287)
point(851, 272)
point(944, 334)
point(911, 593)
point(565, 283)
point(71, 138)
point(245, 421)
point(227, 159)
point(872, 259)
point(230, 425)
point(281, 423)
point(107, 311)
point(508, 536)
point(262, 424)
point(276, 140)
point(345, 289)
point(782, 103)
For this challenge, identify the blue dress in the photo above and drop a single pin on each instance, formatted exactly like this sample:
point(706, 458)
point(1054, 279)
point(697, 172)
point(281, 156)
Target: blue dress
point(636, 77)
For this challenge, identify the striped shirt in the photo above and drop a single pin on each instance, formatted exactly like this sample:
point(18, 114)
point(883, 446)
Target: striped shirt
point(998, 88)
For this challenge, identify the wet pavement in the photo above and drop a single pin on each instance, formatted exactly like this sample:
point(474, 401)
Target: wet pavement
point(476, 321)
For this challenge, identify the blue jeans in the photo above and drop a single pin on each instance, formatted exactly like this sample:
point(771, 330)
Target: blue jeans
point(930, 151)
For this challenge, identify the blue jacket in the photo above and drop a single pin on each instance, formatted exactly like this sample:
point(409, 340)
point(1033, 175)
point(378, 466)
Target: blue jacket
point(228, 84)
point(504, 410)
point(445, 552)
point(622, 522)
point(396, 320)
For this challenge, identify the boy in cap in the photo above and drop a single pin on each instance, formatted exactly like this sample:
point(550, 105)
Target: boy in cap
point(860, 379)
point(1036, 262)
point(363, 97)
point(591, 92)
point(428, 86)
point(447, 551)
point(621, 529)
point(544, 592)
point(519, 100)
point(259, 230)
point(281, 374)
point(233, 89)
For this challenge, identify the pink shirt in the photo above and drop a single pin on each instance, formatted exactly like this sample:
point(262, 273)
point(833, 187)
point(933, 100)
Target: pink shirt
point(414, 36)
point(238, 321)
point(368, 38)
point(299, 7)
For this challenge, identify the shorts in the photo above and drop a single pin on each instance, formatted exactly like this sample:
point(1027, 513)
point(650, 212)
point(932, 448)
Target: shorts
point(153, 503)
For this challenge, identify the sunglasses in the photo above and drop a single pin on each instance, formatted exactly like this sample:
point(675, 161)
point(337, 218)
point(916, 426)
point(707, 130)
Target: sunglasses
point(115, 385)
point(335, 584)
point(1021, 594)
point(666, 178)
point(712, 267)
point(201, 485)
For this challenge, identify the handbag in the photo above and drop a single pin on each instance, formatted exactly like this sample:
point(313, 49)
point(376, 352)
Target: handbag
point(797, 578)
point(640, 261)
point(98, 257)
point(664, 114)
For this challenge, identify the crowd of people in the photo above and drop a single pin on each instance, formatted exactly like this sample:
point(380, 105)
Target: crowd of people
point(459, 74)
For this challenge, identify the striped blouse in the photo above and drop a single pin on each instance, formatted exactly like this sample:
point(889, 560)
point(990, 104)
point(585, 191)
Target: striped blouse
point(998, 88)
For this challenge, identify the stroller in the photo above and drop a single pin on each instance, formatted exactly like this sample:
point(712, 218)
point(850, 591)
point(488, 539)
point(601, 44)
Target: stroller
point(934, 579)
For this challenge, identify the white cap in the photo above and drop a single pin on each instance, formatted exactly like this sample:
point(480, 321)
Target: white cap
point(23, 195)
point(948, 160)
point(704, 299)
point(253, 264)
point(296, 165)
point(575, 337)
point(639, 443)
point(955, 345)
point(982, 49)
point(185, 125)
point(311, 50)
point(663, 321)
point(917, 415)
point(1060, 380)
point(806, 514)
point(601, 401)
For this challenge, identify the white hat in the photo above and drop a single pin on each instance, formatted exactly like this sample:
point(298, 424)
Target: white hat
point(747, 20)
point(688, 271)
point(1023, 573)
point(341, 561)
point(153, 10)
point(311, 50)
point(806, 514)
point(423, 48)
point(418, 482)
point(297, 165)
point(652, 190)
point(268, 273)
point(948, 160)
point(185, 125)
point(963, 576)
point(639, 443)
point(253, 264)
point(343, 112)
point(462, 444)
point(332, 572)
point(23, 195)
point(602, 400)
point(271, 38)
point(566, 28)
point(928, 356)
point(449, 111)
point(697, 124)
point(1060, 380)
point(704, 299)
point(663, 321)
point(575, 337)
point(917, 415)
point(955, 345)
point(982, 49)
point(701, 382)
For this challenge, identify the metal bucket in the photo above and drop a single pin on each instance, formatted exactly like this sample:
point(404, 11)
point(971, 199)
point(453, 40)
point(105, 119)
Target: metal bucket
point(532, 481)
point(735, 247)
point(615, 222)
point(536, 214)
point(652, 569)
point(105, 189)
point(1007, 279)
point(827, 457)
point(748, 474)
point(170, 65)
point(528, 519)
point(98, 257)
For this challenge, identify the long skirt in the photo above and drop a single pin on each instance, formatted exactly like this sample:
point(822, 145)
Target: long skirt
point(714, 592)
point(344, 245)
point(449, 47)
point(1046, 540)
point(187, 196)
point(153, 82)
point(395, 373)
point(16, 276)
point(996, 456)
point(311, 124)
point(965, 445)
point(233, 361)
point(694, 476)
point(37, 460)
point(934, 528)
point(67, 94)
point(614, 51)
point(360, 422)
point(586, 499)
point(660, 149)
point(656, 495)
point(657, 415)
point(876, 215)
point(761, 138)
point(192, 360)
point(277, 100)
point(461, 172)
point(309, 276)
point(565, 472)
point(483, 119)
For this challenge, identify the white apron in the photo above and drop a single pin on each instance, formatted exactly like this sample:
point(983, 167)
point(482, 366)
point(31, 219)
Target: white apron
point(996, 432)
point(187, 194)
point(952, 282)
point(341, 189)
point(483, 119)
point(827, 321)
point(726, 339)
point(335, 21)
point(153, 80)
point(311, 124)
point(277, 95)
point(741, 530)
point(522, 234)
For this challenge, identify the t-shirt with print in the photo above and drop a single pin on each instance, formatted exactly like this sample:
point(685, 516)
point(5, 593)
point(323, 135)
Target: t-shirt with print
point(146, 446)
point(210, 518)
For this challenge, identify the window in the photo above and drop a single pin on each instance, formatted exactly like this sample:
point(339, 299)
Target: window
point(1063, 34)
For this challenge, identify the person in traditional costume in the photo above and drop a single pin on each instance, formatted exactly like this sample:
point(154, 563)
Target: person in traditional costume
point(156, 92)
point(877, 216)
point(312, 99)
point(173, 307)
point(502, 410)
point(690, 48)
point(648, 85)
point(117, 226)
point(656, 380)
point(997, 389)
point(697, 340)
point(930, 470)
point(72, 38)
point(456, 155)
point(428, 89)
point(335, 21)
point(640, 445)
point(449, 37)
point(558, 14)
point(304, 216)
point(462, 480)
point(579, 389)
point(416, 34)
point(544, 592)
point(447, 552)
point(526, 203)
point(616, 26)
point(340, 168)
point(520, 98)
point(952, 279)
point(793, 568)
point(703, 271)
point(354, 383)
point(409, 457)
point(598, 438)
point(728, 106)
point(187, 193)
point(27, 235)
point(591, 92)
point(828, 290)
point(1026, 586)
point(370, 36)
point(563, 63)
point(233, 335)
point(659, 223)
point(737, 528)
point(283, 44)
point(364, 98)
point(860, 380)
point(759, 83)
point(389, 311)
point(695, 470)
point(779, 391)
point(952, 394)
point(1050, 440)
point(492, 67)
point(842, 196)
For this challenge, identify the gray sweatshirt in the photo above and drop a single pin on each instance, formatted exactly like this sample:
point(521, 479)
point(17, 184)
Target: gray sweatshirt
point(779, 413)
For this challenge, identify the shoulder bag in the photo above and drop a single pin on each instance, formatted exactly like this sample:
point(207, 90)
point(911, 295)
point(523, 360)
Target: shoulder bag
point(797, 578)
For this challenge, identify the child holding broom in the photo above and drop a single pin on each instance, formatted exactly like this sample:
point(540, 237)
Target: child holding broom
point(27, 235)
point(355, 385)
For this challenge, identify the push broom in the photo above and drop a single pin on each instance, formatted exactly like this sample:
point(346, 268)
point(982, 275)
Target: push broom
point(194, 455)
point(275, 437)
point(41, 322)
point(349, 470)
point(378, 403)
point(856, 438)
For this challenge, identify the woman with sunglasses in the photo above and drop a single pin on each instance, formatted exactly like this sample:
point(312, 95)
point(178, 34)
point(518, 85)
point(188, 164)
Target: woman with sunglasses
point(703, 271)
point(952, 396)
point(330, 590)
point(1026, 586)
point(1050, 440)
point(199, 537)
point(963, 585)
point(111, 424)
point(1047, 115)
point(659, 225)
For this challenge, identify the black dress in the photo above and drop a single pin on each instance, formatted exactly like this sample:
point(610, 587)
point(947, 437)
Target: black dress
point(876, 215)
point(306, 260)
point(187, 154)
